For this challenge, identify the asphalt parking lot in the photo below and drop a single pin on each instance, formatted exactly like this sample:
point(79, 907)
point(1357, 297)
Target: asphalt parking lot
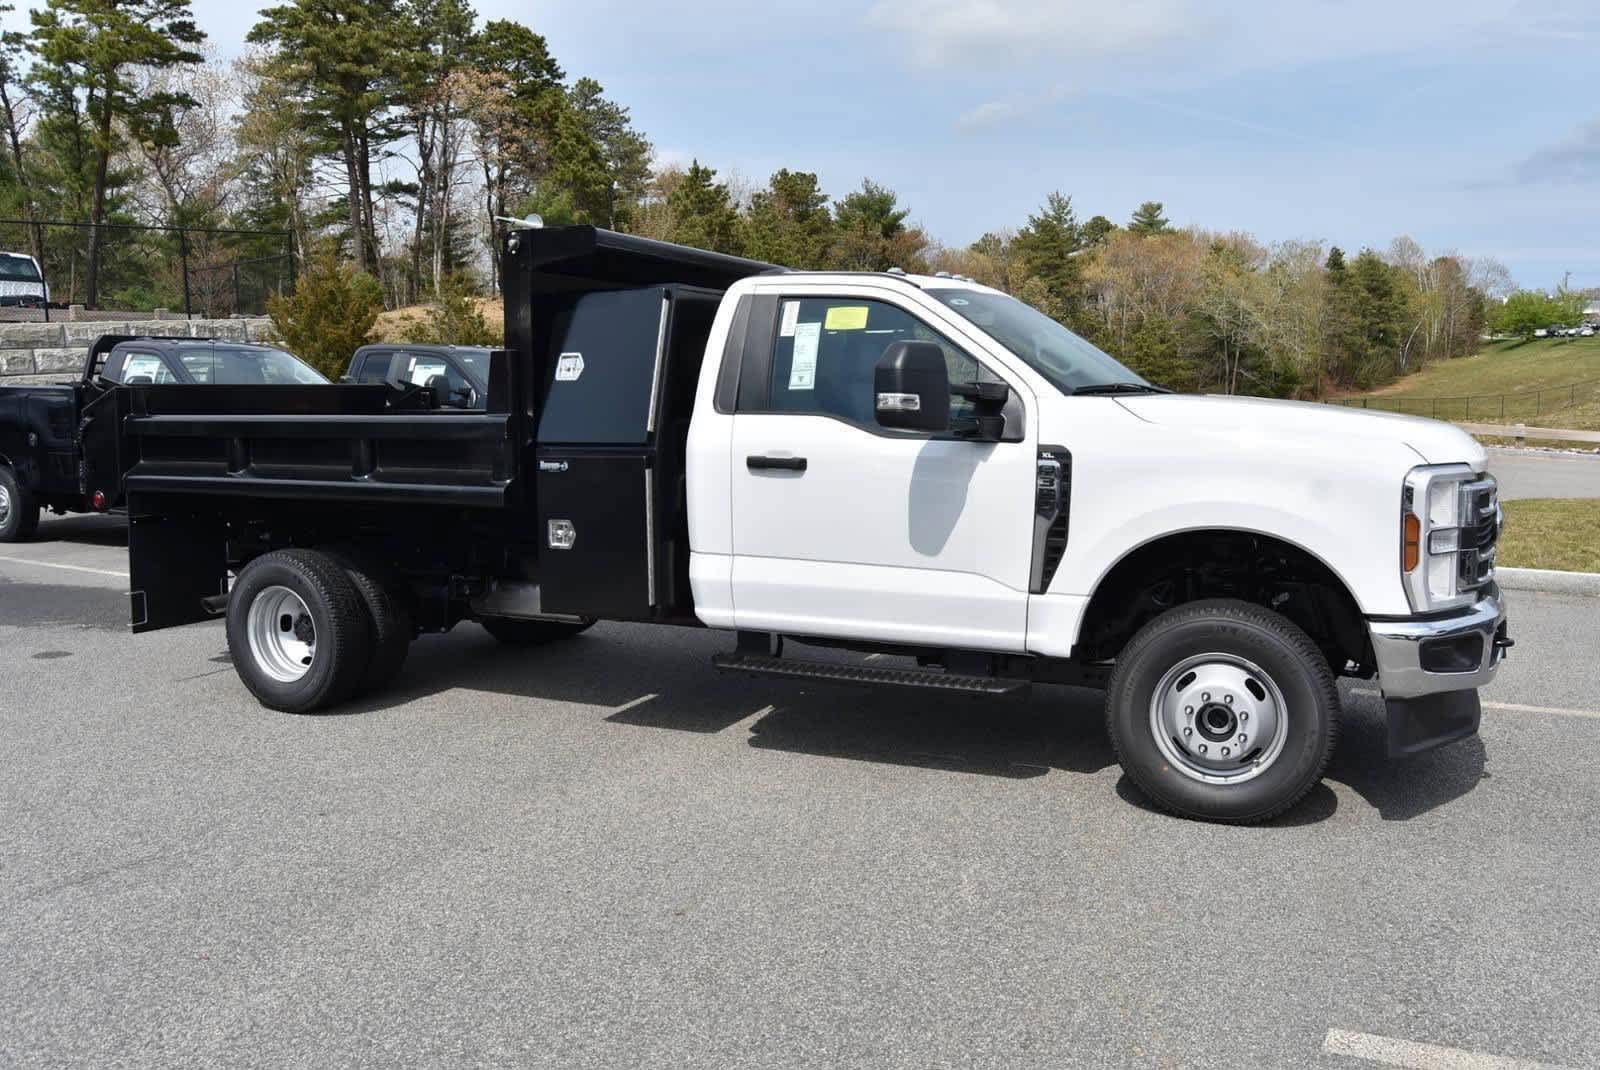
point(603, 854)
point(1545, 474)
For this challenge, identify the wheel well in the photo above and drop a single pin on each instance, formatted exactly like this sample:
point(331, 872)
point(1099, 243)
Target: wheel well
point(1191, 565)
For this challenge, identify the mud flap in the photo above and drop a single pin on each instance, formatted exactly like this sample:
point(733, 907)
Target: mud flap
point(1429, 721)
point(175, 562)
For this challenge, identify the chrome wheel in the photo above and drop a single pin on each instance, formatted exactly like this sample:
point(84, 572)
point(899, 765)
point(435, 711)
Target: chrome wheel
point(283, 639)
point(1218, 719)
point(5, 504)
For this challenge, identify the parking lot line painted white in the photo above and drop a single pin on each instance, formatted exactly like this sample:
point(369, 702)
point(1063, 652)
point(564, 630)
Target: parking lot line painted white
point(1510, 707)
point(1559, 711)
point(1388, 1051)
point(69, 568)
point(631, 703)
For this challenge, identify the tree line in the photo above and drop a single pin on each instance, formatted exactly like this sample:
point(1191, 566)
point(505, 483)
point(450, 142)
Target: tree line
point(393, 139)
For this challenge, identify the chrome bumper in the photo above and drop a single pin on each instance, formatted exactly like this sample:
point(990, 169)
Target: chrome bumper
point(1429, 657)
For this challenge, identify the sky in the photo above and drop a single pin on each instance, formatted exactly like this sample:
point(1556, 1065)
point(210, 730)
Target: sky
point(1472, 126)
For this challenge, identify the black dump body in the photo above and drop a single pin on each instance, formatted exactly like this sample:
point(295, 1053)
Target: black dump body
point(584, 430)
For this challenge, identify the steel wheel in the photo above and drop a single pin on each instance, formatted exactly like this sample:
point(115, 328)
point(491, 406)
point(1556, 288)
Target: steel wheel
point(282, 637)
point(5, 504)
point(1218, 718)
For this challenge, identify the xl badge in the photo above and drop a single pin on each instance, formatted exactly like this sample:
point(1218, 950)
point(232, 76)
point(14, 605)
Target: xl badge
point(568, 367)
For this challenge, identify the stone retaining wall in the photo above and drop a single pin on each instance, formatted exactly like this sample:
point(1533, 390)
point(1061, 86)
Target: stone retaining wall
point(47, 352)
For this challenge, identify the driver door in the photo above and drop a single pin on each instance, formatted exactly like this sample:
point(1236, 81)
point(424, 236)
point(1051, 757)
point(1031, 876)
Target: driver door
point(843, 528)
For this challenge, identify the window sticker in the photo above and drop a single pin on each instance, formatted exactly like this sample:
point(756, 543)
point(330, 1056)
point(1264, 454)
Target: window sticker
point(846, 318)
point(791, 316)
point(803, 371)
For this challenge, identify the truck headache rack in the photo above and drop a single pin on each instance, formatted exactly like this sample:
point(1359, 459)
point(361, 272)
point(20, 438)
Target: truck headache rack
point(578, 258)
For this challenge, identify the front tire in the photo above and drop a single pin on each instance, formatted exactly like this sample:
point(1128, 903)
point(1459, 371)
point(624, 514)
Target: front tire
point(19, 509)
point(1223, 711)
point(299, 633)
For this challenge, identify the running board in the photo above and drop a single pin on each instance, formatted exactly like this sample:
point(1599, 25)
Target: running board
point(930, 679)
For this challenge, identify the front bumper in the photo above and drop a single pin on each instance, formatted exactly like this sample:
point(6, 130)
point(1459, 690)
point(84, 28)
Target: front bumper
point(1428, 657)
point(1430, 671)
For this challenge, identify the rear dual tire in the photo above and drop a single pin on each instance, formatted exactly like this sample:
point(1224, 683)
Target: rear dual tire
point(310, 629)
point(19, 509)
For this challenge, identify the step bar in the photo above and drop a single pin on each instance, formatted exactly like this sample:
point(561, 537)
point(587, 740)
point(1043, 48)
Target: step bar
point(925, 679)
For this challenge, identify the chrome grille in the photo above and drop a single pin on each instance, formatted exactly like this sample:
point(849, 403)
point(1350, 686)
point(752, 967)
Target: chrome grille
point(1480, 534)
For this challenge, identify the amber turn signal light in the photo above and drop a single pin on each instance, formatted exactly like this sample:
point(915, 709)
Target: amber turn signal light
point(1413, 541)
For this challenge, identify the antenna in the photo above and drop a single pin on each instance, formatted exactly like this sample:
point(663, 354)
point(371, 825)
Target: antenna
point(531, 221)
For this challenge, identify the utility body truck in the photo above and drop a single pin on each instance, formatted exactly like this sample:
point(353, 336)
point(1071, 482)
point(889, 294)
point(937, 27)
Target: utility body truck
point(882, 463)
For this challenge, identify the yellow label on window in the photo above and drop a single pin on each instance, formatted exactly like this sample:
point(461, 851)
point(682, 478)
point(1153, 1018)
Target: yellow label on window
point(846, 318)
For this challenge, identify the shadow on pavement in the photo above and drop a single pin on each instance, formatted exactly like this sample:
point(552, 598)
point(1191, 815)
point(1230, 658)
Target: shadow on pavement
point(663, 679)
point(39, 605)
point(1319, 804)
point(1407, 787)
point(88, 530)
point(671, 685)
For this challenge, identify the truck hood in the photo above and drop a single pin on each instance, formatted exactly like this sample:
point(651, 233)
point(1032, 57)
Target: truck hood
point(1434, 441)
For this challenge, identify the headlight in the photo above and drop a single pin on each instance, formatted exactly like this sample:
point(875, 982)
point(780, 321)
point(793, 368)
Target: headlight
point(1445, 556)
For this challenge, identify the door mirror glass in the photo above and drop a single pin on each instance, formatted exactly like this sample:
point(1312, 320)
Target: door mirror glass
point(912, 387)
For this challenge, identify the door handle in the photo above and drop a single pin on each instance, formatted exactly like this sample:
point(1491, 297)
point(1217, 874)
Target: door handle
point(788, 464)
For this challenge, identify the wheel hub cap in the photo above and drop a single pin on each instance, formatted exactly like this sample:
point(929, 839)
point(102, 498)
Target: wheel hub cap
point(1218, 718)
point(283, 638)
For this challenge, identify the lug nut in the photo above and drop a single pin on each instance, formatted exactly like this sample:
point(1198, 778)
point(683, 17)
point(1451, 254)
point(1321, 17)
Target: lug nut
point(1228, 699)
point(1224, 752)
point(1205, 696)
point(1243, 739)
point(1202, 748)
point(1244, 715)
point(1188, 732)
point(1188, 711)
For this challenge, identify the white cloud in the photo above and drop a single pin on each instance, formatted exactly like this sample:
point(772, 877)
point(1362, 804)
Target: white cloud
point(1574, 160)
point(962, 31)
point(992, 113)
point(1173, 42)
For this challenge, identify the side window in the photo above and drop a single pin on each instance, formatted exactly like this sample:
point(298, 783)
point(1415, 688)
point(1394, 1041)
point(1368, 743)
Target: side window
point(374, 367)
point(146, 366)
point(827, 349)
point(425, 366)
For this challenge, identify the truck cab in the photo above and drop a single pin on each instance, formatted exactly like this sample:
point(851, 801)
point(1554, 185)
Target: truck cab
point(912, 466)
point(459, 374)
point(203, 362)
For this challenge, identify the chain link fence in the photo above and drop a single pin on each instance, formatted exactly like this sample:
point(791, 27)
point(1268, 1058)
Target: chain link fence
point(141, 270)
point(1524, 406)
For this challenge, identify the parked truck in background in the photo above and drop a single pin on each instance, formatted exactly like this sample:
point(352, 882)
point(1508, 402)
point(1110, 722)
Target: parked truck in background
point(55, 455)
point(919, 467)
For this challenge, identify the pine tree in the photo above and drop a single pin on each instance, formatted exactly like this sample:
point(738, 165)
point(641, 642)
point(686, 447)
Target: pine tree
point(1048, 247)
point(88, 51)
point(702, 212)
point(347, 60)
point(789, 222)
point(1147, 219)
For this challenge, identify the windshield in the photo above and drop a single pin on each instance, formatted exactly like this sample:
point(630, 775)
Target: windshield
point(14, 268)
point(255, 366)
point(476, 361)
point(1066, 360)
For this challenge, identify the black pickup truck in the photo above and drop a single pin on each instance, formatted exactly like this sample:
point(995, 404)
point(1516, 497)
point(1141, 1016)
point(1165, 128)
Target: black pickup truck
point(55, 455)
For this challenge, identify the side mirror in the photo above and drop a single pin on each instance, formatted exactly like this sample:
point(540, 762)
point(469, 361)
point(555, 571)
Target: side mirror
point(912, 387)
